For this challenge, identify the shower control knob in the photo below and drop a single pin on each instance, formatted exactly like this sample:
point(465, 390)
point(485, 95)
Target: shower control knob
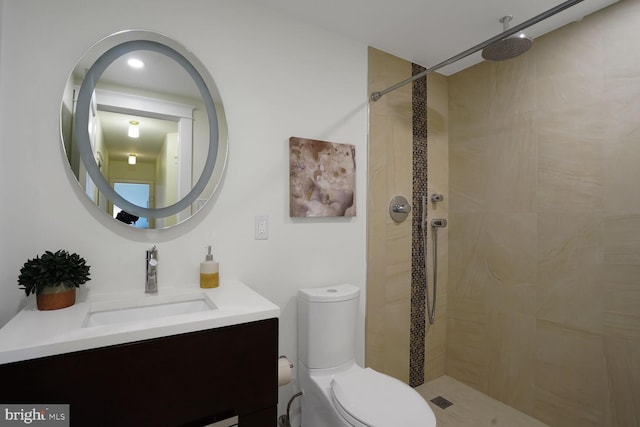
point(437, 197)
point(399, 209)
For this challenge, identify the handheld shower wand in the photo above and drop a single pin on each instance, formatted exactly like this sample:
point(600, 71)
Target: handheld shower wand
point(435, 223)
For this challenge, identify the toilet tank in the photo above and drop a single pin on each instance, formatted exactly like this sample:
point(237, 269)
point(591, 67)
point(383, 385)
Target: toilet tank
point(327, 320)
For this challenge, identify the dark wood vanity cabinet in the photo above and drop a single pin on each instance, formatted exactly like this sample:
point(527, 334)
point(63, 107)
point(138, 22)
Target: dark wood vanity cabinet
point(191, 379)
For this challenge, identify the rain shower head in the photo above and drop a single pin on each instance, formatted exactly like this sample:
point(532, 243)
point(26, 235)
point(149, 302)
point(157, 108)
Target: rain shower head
point(509, 47)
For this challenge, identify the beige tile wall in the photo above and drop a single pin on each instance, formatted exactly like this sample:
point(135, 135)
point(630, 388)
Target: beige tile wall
point(544, 250)
point(438, 182)
point(389, 244)
point(543, 301)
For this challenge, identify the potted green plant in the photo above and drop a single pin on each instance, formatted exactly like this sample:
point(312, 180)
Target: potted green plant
point(54, 277)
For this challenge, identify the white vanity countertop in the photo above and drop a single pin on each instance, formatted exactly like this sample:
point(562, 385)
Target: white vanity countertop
point(33, 333)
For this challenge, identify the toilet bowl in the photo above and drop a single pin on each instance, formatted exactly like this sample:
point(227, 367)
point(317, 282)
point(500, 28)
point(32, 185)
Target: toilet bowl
point(337, 392)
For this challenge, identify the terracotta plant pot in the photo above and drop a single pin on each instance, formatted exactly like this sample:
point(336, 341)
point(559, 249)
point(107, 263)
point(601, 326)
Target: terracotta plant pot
point(58, 297)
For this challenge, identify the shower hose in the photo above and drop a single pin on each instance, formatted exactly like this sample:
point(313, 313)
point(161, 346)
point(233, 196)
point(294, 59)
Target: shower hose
point(431, 305)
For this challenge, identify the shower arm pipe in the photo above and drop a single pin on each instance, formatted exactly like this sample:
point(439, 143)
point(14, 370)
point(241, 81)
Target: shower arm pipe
point(375, 96)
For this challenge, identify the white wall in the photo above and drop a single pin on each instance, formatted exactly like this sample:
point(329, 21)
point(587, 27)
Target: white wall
point(17, 190)
point(277, 77)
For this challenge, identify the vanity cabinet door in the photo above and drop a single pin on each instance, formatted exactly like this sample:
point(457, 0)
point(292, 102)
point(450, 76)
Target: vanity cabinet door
point(192, 379)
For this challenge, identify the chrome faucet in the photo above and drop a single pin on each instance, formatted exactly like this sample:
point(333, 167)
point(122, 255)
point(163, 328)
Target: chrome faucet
point(151, 283)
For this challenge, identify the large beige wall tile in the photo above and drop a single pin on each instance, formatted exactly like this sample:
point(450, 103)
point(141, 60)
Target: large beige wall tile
point(491, 283)
point(493, 256)
point(375, 343)
point(437, 106)
point(467, 270)
point(389, 244)
point(570, 377)
point(622, 356)
point(470, 167)
point(438, 181)
point(435, 341)
point(384, 70)
point(622, 108)
point(511, 185)
point(622, 258)
point(512, 87)
point(468, 350)
point(397, 265)
point(570, 160)
point(397, 324)
point(469, 100)
point(511, 364)
point(622, 239)
point(622, 298)
point(467, 346)
point(622, 308)
point(438, 143)
point(509, 244)
point(575, 268)
point(621, 154)
point(442, 238)
point(570, 270)
point(494, 168)
point(381, 132)
point(622, 316)
point(399, 156)
point(621, 48)
point(569, 65)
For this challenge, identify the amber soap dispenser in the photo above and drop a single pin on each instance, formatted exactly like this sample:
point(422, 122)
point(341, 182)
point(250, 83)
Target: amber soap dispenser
point(209, 274)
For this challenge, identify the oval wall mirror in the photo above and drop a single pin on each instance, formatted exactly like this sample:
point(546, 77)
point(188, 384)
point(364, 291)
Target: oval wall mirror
point(143, 129)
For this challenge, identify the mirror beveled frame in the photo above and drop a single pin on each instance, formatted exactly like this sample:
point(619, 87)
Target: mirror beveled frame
point(120, 44)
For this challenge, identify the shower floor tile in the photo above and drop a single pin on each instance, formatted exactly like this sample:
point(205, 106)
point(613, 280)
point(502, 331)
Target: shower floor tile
point(471, 407)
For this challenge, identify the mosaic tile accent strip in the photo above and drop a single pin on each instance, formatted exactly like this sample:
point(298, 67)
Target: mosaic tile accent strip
point(418, 297)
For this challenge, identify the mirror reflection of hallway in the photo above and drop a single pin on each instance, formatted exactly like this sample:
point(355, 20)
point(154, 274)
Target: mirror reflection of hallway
point(176, 89)
point(136, 193)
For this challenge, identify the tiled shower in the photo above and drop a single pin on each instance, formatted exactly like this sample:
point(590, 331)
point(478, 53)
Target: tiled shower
point(539, 287)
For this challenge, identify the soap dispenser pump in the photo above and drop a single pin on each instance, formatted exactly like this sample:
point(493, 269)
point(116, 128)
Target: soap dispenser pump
point(209, 275)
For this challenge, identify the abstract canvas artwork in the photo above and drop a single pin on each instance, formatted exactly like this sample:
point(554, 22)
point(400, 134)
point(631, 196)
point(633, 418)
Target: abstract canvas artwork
point(322, 178)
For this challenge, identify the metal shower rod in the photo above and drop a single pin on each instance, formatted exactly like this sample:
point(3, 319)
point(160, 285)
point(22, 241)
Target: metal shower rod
point(554, 10)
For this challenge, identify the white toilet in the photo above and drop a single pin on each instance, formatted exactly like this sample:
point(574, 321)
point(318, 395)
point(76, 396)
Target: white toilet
point(336, 391)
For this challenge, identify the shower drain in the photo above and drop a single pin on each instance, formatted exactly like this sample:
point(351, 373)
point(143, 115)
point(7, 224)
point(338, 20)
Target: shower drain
point(441, 402)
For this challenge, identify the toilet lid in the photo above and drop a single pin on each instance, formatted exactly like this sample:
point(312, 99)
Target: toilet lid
point(368, 398)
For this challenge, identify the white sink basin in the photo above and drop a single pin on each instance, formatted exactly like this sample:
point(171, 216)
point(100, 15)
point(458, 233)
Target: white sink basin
point(147, 310)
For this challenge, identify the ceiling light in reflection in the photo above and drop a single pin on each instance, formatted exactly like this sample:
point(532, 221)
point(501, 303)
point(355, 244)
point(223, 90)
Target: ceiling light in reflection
point(134, 130)
point(135, 63)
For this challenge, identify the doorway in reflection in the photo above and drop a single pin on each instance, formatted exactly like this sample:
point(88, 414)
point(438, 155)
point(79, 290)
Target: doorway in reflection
point(138, 194)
